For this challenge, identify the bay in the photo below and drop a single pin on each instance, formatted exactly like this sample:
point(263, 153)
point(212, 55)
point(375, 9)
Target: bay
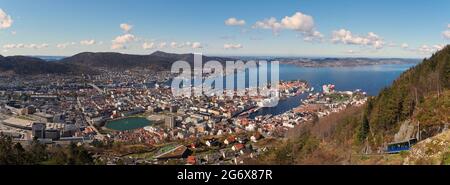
point(370, 79)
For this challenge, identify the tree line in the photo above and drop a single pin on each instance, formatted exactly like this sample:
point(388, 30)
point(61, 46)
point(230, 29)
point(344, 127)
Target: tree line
point(13, 153)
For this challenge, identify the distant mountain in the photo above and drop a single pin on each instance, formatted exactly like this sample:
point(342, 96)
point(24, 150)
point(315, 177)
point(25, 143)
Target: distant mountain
point(23, 65)
point(116, 61)
point(49, 58)
point(343, 62)
point(89, 62)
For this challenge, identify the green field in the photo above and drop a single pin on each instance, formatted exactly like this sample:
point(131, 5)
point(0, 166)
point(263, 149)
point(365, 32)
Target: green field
point(130, 123)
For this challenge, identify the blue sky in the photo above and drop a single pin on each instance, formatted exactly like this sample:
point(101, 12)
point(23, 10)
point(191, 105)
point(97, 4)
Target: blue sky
point(382, 28)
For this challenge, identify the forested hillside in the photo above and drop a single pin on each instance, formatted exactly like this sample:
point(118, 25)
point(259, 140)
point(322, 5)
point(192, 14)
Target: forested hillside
point(420, 96)
point(410, 94)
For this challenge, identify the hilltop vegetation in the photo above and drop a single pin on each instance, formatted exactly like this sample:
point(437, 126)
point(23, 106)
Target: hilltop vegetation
point(434, 150)
point(421, 95)
point(408, 95)
point(36, 153)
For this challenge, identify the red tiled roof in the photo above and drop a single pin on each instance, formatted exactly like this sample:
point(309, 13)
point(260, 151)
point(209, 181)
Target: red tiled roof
point(231, 139)
point(191, 159)
point(239, 146)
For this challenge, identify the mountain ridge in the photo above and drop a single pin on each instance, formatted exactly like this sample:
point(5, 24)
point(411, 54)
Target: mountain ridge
point(90, 62)
point(24, 65)
point(157, 60)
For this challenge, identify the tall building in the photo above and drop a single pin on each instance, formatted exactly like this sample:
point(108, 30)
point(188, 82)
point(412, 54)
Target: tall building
point(173, 108)
point(38, 130)
point(169, 122)
point(53, 134)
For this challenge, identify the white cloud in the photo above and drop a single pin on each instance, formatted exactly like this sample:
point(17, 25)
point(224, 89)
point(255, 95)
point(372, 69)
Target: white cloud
point(196, 45)
point(346, 37)
point(234, 22)
point(126, 27)
point(193, 45)
point(351, 51)
point(162, 45)
point(298, 22)
point(232, 46)
point(5, 20)
point(9, 46)
point(87, 42)
point(118, 46)
point(314, 36)
point(446, 34)
point(425, 49)
point(120, 41)
point(37, 46)
point(439, 46)
point(65, 45)
point(61, 46)
point(124, 38)
point(29, 46)
point(270, 23)
point(405, 46)
point(148, 45)
point(174, 45)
